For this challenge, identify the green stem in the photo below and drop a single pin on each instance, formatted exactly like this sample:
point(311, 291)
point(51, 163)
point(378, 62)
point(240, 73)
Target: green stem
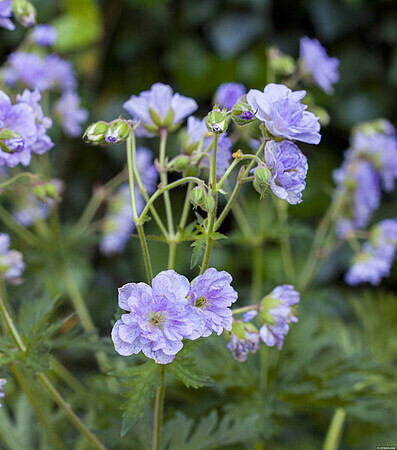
point(158, 411)
point(19, 229)
point(257, 268)
point(335, 430)
point(63, 373)
point(285, 244)
point(212, 214)
point(54, 393)
point(227, 173)
point(145, 253)
point(21, 379)
point(172, 255)
point(186, 206)
point(17, 177)
point(164, 181)
point(243, 309)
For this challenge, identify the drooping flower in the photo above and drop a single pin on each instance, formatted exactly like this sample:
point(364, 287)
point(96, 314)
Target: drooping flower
point(44, 35)
point(359, 191)
point(212, 293)
point(72, 116)
point(322, 68)
point(118, 222)
point(11, 264)
point(228, 94)
point(26, 121)
point(283, 113)
point(375, 259)
point(5, 14)
point(3, 381)
point(241, 346)
point(157, 108)
point(276, 313)
point(249, 315)
point(158, 318)
point(289, 168)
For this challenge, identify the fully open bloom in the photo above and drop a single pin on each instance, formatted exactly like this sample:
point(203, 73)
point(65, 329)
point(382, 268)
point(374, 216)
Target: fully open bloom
point(276, 313)
point(322, 68)
point(158, 318)
point(228, 94)
point(283, 113)
point(289, 168)
point(212, 293)
point(157, 108)
point(11, 264)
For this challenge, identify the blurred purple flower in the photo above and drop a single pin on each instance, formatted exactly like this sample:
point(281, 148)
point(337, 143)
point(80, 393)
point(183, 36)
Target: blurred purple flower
point(276, 314)
point(11, 264)
point(159, 107)
point(249, 315)
point(241, 347)
point(5, 14)
point(60, 72)
point(158, 318)
point(283, 113)
point(44, 35)
point(322, 68)
point(72, 116)
point(228, 94)
point(212, 294)
point(3, 381)
point(289, 168)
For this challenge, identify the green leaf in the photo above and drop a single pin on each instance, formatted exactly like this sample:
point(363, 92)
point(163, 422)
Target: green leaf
point(141, 384)
point(198, 250)
point(189, 372)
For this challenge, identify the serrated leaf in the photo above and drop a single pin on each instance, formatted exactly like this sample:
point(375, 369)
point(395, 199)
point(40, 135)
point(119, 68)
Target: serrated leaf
point(198, 249)
point(141, 388)
point(216, 236)
point(188, 371)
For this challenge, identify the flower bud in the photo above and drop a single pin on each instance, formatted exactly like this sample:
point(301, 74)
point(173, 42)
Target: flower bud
point(242, 114)
point(24, 12)
point(51, 191)
point(118, 132)
point(216, 122)
point(266, 305)
point(197, 196)
point(39, 192)
point(96, 133)
point(191, 171)
point(181, 163)
point(262, 175)
point(208, 204)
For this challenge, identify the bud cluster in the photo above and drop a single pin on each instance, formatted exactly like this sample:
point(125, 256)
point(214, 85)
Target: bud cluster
point(114, 132)
point(11, 141)
point(46, 191)
point(199, 197)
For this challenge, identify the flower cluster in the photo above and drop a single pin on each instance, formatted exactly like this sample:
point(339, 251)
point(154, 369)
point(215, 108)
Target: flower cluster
point(275, 316)
point(11, 264)
point(159, 108)
point(374, 261)
point(118, 223)
point(318, 64)
point(172, 309)
point(370, 165)
point(23, 129)
point(3, 381)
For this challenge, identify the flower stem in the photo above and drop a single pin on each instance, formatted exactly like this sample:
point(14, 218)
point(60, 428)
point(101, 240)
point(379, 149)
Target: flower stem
point(335, 430)
point(244, 309)
point(186, 207)
point(17, 177)
point(285, 244)
point(158, 410)
point(19, 229)
point(164, 181)
point(145, 253)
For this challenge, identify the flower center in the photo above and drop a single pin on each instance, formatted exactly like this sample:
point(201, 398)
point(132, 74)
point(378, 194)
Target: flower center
point(156, 318)
point(201, 302)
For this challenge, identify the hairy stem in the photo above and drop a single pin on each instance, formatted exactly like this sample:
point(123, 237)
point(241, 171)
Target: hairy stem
point(158, 411)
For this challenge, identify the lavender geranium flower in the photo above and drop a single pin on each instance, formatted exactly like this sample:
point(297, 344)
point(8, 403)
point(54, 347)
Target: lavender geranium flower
point(118, 222)
point(375, 259)
point(241, 346)
point(228, 94)
point(5, 14)
point(322, 68)
point(212, 294)
point(289, 168)
point(283, 113)
point(11, 264)
point(158, 318)
point(44, 35)
point(72, 116)
point(20, 119)
point(276, 313)
point(159, 108)
point(359, 191)
point(249, 315)
point(60, 72)
point(3, 381)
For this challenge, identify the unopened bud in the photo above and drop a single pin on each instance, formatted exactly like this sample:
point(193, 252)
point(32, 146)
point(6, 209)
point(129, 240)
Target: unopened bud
point(11, 141)
point(197, 196)
point(96, 133)
point(51, 191)
point(39, 192)
point(242, 114)
point(191, 171)
point(208, 204)
point(216, 122)
point(118, 132)
point(261, 180)
point(24, 12)
point(181, 163)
